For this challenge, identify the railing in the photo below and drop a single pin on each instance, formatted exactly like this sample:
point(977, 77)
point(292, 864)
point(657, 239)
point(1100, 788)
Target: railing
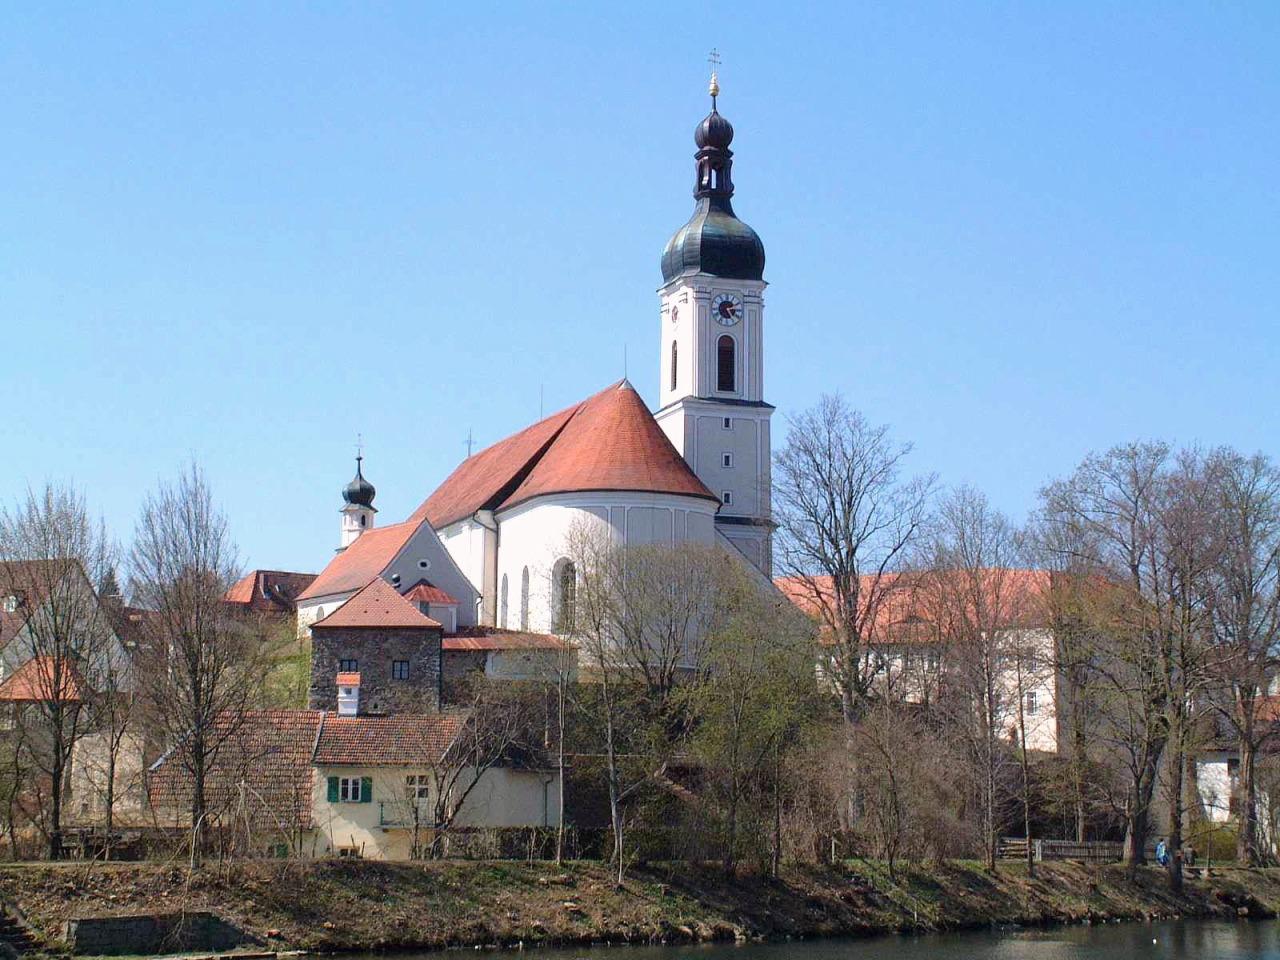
point(1094, 851)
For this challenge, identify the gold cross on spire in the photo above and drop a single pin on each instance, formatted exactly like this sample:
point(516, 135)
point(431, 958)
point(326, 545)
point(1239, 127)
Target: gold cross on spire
point(713, 58)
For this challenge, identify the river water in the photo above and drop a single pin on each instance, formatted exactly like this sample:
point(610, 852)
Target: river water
point(1181, 939)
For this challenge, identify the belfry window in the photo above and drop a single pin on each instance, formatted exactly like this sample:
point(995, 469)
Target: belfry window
point(726, 363)
point(674, 359)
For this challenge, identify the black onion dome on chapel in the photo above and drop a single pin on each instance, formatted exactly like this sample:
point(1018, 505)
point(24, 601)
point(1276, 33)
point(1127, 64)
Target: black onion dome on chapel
point(714, 240)
point(359, 491)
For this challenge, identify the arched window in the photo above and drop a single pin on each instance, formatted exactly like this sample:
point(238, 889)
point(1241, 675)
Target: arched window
point(564, 586)
point(726, 357)
point(502, 604)
point(524, 599)
point(674, 359)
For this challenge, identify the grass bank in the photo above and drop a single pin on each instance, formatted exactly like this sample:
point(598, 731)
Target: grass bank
point(354, 905)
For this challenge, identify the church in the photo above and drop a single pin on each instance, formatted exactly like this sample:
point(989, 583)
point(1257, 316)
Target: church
point(486, 549)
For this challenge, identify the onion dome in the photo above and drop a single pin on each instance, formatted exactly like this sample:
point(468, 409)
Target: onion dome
point(359, 492)
point(714, 240)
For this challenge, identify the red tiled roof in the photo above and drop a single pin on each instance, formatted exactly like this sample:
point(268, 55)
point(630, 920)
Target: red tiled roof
point(484, 480)
point(395, 741)
point(269, 590)
point(262, 768)
point(365, 559)
point(911, 605)
point(377, 604)
point(498, 640)
point(609, 441)
point(39, 679)
point(426, 592)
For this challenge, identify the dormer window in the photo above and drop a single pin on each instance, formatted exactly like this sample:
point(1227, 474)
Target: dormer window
point(11, 603)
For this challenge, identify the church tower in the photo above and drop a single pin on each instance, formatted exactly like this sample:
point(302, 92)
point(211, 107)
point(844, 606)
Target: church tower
point(712, 346)
point(357, 510)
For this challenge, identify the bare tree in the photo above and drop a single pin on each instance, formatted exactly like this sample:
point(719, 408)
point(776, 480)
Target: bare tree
point(1137, 517)
point(978, 595)
point(199, 671)
point(501, 725)
point(1245, 616)
point(51, 555)
point(846, 520)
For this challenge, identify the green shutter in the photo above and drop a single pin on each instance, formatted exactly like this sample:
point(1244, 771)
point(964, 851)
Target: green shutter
point(333, 789)
point(366, 789)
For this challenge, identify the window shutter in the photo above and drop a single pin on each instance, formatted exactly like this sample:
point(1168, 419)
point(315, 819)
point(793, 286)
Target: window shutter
point(366, 789)
point(333, 789)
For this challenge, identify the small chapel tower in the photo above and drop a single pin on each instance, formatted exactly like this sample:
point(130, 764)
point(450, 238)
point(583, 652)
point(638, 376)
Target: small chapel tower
point(358, 511)
point(712, 403)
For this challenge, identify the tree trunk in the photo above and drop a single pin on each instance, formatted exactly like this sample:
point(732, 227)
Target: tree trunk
point(560, 769)
point(776, 858)
point(1176, 810)
point(1247, 842)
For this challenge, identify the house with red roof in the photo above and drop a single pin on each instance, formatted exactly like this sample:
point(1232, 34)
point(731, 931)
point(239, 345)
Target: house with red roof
point(910, 630)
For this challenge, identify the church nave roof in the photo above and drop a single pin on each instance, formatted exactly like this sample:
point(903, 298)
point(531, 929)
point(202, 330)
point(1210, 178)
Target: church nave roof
point(609, 441)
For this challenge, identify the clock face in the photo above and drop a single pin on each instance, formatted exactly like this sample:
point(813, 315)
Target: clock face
point(727, 309)
point(675, 313)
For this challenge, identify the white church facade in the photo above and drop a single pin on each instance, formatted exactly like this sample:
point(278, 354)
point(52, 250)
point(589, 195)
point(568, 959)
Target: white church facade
point(488, 548)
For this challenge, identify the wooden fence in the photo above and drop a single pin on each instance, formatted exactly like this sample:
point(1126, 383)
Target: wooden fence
point(1092, 851)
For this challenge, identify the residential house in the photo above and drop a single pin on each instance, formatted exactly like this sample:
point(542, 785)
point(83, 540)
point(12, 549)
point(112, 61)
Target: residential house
point(912, 652)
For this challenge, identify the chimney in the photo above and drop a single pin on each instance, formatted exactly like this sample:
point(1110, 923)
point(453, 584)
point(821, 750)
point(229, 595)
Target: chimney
point(348, 694)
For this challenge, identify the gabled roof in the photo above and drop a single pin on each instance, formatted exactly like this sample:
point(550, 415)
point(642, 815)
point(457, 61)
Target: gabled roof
point(409, 740)
point(39, 680)
point(269, 590)
point(424, 591)
point(609, 441)
point(377, 604)
point(365, 559)
point(262, 769)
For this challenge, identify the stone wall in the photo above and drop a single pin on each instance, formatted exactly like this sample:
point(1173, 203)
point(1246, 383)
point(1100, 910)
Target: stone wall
point(374, 651)
point(153, 933)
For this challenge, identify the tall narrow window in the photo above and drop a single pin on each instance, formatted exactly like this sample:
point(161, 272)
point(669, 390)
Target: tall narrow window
point(565, 594)
point(674, 359)
point(725, 364)
point(524, 599)
point(502, 604)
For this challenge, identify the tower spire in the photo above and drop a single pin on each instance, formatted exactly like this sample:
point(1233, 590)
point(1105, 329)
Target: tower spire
point(713, 58)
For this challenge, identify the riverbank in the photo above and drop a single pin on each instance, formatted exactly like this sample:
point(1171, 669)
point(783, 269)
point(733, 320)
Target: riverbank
point(366, 905)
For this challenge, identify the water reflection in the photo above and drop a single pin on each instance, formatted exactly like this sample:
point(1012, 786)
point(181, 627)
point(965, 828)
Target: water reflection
point(1173, 940)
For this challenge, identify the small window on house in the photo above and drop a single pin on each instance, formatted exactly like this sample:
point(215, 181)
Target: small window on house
point(424, 564)
point(726, 459)
point(348, 666)
point(726, 364)
point(727, 498)
point(1031, 702)
point(417, 786)
point(727, 423)
point(399, 669)
point(502, 603)
point(350, 790)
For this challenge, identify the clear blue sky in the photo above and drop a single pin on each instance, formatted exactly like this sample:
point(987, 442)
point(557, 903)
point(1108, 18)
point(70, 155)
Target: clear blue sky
point(245, 233)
